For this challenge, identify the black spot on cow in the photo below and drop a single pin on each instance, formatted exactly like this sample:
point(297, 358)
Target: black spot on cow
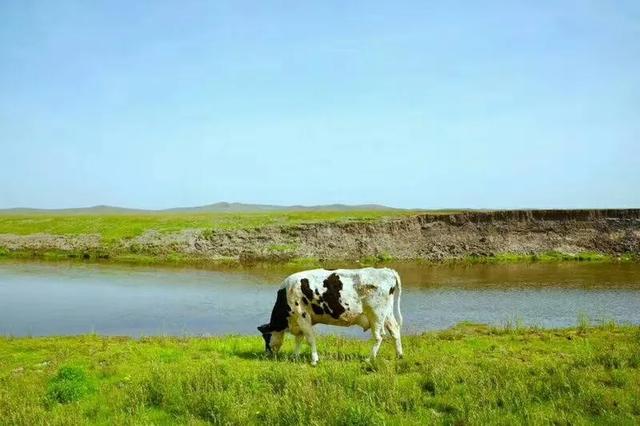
point(306, 290)
point(267, 339)
point(280, 313)
point(332, 295)
point(304, 315)
point(317, 292)
point(392, 289)
point(296, 303)
point(304, 299)
point(317, 309)
point(265, 329)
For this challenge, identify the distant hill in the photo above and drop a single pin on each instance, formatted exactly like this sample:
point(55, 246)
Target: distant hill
point(242, 207)
point(209, 208)
point(78, 210)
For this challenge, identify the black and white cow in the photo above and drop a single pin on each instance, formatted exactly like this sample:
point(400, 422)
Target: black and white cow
point(342, 297)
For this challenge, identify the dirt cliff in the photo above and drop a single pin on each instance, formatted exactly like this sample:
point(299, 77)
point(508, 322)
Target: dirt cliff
point(425, 236)
point(438, 237)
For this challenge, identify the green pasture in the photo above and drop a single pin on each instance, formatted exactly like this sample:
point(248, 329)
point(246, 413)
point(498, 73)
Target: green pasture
point(113, 227)
point(470, 374)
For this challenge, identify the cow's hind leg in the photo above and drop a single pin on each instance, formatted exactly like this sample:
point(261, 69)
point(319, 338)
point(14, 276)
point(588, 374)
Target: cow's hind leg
point(376, 332)
point(392, 326)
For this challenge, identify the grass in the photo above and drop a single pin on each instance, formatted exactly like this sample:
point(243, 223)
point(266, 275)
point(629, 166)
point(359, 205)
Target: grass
point(550, 256)
point(122, 226)
point(70, 384)
point(470, 374)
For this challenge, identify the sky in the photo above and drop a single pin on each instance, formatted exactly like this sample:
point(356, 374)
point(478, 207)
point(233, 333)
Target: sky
point(152, 104)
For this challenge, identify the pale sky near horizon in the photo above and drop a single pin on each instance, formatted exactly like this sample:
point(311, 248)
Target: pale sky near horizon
point(155, 104)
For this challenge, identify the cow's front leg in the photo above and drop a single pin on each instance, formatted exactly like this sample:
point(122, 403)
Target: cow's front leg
point(296, 351)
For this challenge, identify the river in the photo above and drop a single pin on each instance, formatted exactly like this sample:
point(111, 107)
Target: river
point(74, 298)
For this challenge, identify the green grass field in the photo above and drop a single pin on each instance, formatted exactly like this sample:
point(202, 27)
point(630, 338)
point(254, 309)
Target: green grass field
point(466, 375)
point(118, 226)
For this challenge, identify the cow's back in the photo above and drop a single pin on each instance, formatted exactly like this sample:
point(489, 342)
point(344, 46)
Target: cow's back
point(340, 296)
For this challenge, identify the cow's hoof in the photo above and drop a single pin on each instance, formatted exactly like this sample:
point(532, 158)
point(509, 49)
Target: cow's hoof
point(314, 364)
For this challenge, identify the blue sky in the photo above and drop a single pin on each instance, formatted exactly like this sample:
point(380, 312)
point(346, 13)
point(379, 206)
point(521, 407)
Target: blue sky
point(411, 104)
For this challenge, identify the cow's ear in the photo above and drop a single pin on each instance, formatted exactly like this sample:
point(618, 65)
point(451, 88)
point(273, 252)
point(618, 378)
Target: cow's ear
point(264, 328)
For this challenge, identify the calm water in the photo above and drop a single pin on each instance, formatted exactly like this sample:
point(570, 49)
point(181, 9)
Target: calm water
point(45, 299)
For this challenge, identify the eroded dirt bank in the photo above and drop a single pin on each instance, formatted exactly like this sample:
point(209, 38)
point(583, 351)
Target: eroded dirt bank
point(425, 236)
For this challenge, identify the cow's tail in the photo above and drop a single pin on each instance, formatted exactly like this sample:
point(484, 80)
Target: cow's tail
point(396, 300)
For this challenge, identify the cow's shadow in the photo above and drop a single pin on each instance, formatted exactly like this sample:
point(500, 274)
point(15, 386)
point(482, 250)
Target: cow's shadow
point(262, 356)
point(251, 355)
point(304, 357)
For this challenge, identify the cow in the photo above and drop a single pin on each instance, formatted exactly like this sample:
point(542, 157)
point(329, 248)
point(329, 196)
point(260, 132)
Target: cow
point(368, 297)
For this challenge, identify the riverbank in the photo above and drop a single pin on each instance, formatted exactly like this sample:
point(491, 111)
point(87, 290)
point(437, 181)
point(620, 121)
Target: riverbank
point(318, 238)
point(470, 374)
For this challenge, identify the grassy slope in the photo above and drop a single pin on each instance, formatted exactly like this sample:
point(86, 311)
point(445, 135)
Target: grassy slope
point(118, 226)
point(469, 374)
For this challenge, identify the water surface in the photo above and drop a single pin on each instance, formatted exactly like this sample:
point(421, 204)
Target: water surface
point(61, 299)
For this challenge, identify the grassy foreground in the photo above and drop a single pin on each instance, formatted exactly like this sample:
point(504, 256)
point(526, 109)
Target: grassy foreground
point(466, 375)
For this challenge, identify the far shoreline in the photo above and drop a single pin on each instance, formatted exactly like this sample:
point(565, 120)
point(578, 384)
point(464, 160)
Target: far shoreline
point(314, 239)
point(233, 264)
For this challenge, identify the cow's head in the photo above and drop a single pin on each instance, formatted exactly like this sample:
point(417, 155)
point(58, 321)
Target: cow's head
point(272, 339)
